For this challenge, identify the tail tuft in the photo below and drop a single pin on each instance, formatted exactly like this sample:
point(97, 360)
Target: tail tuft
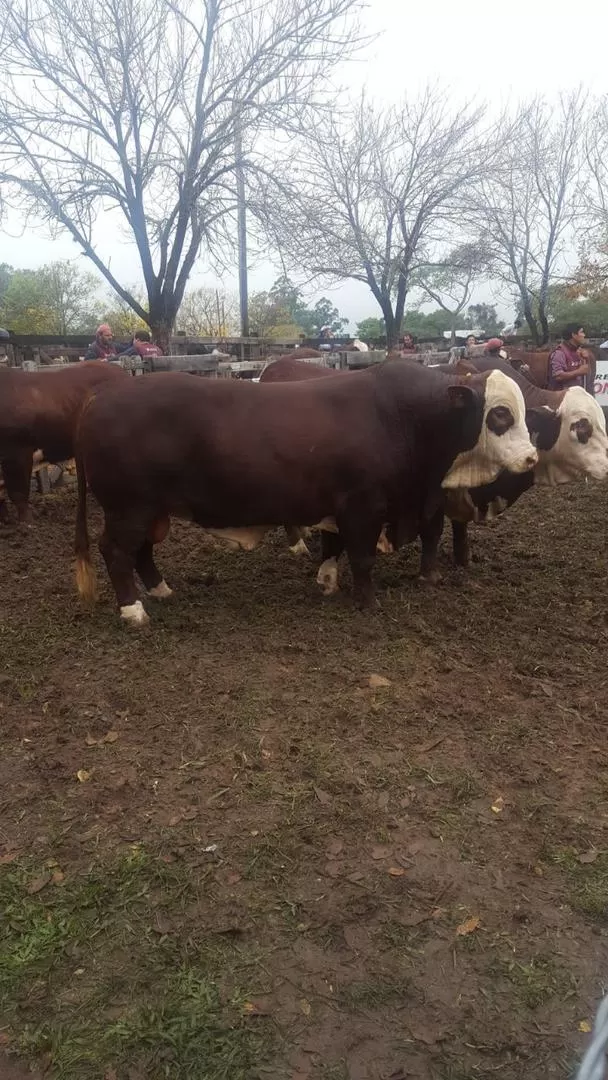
point(86, 579)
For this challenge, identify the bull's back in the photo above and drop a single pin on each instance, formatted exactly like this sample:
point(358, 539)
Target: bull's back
point(197, 444)
point(288, 369)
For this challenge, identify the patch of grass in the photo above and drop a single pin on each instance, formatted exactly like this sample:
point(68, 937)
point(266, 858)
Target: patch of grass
point(395, 938)
point(588, 882)
point(336, 1071)
point(537, 982)
point(375, 992)
point(107, 972)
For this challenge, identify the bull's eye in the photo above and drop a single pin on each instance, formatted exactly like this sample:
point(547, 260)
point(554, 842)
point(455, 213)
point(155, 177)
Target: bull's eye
point(583, 429)
point(500, 419)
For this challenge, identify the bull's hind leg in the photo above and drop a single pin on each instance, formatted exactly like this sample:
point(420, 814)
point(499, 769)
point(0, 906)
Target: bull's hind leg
point(460, 543)
point(152, 579)
point(119, 544)
point(332, 546)
point(430, 535)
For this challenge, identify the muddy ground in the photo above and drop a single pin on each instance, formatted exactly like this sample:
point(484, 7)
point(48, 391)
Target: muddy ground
point(229, 850)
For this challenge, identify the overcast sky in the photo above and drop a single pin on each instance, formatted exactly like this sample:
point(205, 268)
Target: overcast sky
point(481, 51)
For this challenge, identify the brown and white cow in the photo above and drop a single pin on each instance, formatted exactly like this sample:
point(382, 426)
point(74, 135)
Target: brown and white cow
point(237, 459)
point(39, 411)
point(568, 428)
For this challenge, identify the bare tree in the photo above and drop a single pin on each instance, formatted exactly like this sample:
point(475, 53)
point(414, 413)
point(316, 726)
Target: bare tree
point(450, 283)
point(368, 197)
point(526, 208)
point(591, 277)
point(208, 312)
point(132, 106)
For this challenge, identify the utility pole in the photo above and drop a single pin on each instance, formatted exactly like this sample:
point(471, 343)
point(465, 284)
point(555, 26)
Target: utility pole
point(242, 230)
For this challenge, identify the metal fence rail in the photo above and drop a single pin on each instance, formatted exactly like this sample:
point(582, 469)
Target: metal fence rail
point(593, 1065)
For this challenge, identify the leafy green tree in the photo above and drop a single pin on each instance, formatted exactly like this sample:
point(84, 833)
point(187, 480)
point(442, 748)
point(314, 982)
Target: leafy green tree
point(430, 325)
point(282, 312)
point(26, 307)
point(56, 299)
point(590, 313)
point(371, 329)
point(483, 317)
point(5, 277)
point(322, 314)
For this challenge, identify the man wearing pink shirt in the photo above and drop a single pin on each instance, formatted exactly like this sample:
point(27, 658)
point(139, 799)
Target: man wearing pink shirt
point(566, 366)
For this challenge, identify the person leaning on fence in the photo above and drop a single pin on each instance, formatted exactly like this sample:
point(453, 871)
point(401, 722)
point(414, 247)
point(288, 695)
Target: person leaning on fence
point(142, 346)
point(103, 348)
point(566, 365)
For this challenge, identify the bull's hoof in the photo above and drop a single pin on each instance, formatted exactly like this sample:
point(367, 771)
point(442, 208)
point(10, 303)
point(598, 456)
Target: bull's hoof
point(327, 577)
point(134, 614)
point(160, 591)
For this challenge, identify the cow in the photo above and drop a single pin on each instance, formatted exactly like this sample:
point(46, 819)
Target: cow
point(39, 411)
point(237, 459)
point(568, 428)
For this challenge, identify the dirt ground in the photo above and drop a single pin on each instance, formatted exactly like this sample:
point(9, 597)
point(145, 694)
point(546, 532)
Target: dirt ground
point(270, 837)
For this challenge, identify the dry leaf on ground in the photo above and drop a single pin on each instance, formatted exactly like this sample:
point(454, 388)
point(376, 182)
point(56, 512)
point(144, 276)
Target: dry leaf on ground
point(468, 926)
point(375, 682)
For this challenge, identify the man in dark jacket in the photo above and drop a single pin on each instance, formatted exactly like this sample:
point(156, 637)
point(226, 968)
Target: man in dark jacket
point(103, 348)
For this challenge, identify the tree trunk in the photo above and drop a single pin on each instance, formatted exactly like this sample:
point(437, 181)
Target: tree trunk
point(161, 334)
point(161, 321)
point(392, 329)
point(544, 325)
point(532, 323)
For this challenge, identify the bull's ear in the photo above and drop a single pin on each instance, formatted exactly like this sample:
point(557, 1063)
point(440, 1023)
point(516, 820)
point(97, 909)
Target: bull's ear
point(461, 396)
point(466, 367)
point(543, 424)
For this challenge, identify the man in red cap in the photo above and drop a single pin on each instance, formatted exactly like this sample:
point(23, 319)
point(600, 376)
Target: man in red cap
point(103, 347)
point(494, 347)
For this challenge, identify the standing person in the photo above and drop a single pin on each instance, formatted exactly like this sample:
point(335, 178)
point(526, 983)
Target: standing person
point(566, 366)
point(469, 343)
point(103, 347)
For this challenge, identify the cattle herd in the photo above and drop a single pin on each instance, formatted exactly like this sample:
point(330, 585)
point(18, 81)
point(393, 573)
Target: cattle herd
point(373, 459)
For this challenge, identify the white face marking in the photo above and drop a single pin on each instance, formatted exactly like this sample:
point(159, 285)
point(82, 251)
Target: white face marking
point(134, 614)
point(570, 458)
point(160, 591)
point(327, 577)
point(493, 453)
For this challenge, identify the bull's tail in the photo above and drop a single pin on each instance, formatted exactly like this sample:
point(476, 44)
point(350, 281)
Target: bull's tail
point(86, 581)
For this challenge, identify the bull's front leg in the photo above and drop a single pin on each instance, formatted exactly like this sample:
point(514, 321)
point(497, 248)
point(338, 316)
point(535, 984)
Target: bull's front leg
point(460, 543)
point(332, 546)
point(430, 535)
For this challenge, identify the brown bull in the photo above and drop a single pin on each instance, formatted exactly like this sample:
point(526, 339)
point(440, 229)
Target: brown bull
point(40, 411)
point(239, 458)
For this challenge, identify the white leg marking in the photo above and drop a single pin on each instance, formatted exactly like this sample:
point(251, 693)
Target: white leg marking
point(299, 548)
point(134, 614)
point(327, 577)
point(160, 591)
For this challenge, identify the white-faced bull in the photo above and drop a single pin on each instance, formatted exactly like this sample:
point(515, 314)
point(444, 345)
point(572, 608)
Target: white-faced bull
point(358, 448)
